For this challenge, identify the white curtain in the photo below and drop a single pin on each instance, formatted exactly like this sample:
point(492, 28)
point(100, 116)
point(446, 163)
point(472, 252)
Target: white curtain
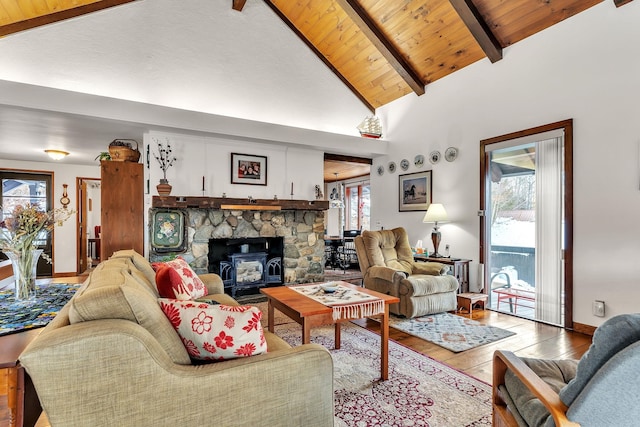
point(549, 241)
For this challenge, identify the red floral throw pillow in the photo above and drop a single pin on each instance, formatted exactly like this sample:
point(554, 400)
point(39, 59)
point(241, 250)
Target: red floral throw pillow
point(176, 279)
point(216, 332)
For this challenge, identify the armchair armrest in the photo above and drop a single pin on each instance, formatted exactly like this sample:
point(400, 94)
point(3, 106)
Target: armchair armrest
point(213, 282)
point(430, 268)
point(503, 360)
point(386, 273)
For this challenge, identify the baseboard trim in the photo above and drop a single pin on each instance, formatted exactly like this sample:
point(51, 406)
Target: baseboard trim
point(584, 329)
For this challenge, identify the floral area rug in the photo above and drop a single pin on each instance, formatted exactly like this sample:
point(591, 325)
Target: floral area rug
point(16, 316)
point(419, 392)
point(452, 332)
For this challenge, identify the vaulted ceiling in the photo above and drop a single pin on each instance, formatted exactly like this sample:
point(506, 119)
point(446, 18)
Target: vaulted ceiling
point(380, 49)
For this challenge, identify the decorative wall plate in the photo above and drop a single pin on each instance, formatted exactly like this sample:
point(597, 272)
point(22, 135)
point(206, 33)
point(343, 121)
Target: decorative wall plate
point(404, 164)
point(392, 167)
point(418, 160)
point(380, 170)
point(168, 231)
point(451, 154)
point(434, 157)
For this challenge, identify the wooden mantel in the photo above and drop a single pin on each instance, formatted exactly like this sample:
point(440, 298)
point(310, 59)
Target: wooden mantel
point(238, 204)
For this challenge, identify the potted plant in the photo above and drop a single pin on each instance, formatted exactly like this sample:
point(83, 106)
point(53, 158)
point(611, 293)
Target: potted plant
point(104, 155)
point(165, 158)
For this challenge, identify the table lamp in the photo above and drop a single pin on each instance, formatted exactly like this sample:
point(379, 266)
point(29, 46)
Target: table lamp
point(435, 213)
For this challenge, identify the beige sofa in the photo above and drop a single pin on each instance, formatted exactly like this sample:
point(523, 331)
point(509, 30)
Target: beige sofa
point(111, 358)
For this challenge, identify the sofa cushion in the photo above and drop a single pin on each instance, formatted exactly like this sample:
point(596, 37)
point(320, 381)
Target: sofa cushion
point(422, 284)
point(112, 292)
point(176, 279)
point(609, 338)
point(388, 248)
point(140, 262)
point(521, 400)
point(216, 332)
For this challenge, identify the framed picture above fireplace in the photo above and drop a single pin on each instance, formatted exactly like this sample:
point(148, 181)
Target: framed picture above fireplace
point(248, 169)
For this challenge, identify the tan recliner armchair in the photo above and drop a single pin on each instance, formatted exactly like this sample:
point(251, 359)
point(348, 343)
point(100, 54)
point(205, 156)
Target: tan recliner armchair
point(387, 266)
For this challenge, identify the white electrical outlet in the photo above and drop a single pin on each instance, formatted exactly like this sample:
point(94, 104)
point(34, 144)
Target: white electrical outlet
point(598, 308)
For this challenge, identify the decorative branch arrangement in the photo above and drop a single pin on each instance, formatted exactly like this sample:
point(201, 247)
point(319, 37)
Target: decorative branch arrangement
point(164, 157)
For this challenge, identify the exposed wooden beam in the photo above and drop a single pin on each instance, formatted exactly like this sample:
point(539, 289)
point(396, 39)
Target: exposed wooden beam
point(320, 55)
point(343, 158)
point(238, 5)
point(479, 28)
point(619, 3)
point(59, 16)
point(360, 17)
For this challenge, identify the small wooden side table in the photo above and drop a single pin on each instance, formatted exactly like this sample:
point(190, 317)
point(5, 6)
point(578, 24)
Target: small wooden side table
point(468, 300)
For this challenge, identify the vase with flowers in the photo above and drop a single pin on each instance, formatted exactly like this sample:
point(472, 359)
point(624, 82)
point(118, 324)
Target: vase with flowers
point(18, 240)
point(165, 158)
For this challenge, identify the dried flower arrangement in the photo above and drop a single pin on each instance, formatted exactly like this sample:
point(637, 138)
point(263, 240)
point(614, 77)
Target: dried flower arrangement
point(164, 157)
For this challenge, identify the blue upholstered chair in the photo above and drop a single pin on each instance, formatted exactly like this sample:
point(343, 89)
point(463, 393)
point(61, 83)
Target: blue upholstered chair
point(598, 390)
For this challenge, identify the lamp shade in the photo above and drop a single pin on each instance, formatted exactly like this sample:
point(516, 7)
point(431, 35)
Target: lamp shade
point(435, 213)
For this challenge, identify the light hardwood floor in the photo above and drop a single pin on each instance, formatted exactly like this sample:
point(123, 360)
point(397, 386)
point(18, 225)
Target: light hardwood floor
point(532, 339)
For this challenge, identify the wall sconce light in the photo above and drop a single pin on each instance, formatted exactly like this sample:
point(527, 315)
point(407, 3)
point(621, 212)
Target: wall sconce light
point(56, 154)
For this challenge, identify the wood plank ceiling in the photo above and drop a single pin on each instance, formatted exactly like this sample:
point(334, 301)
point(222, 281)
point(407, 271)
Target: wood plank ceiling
point(381, 49)
point(385, 49)
point(20, 15)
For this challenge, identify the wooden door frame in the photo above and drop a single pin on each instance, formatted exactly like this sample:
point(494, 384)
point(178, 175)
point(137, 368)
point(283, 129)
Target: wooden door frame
point(81, 199)
point(567, 126)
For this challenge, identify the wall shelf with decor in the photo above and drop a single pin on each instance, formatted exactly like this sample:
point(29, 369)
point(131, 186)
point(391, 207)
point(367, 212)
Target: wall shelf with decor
point(237, 203)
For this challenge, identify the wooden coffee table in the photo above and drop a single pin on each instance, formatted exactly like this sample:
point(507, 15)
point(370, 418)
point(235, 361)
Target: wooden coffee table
point(308, 313)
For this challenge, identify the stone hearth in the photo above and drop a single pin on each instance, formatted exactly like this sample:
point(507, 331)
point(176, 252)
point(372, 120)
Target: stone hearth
point(301, 230)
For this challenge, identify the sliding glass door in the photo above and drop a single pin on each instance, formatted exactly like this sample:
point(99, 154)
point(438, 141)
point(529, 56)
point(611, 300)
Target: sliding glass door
point(526, 226)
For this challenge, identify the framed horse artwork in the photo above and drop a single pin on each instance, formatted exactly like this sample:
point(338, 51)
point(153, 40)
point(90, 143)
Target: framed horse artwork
point(415, 191)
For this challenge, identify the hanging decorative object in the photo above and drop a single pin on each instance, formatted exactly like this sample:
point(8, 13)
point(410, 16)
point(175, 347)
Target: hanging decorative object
point(370, 127)
point(335, 198)
point(451, 154)
point(64, 200)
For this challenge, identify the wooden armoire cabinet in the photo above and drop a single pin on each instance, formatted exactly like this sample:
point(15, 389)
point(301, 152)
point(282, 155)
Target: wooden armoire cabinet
point(122, 198)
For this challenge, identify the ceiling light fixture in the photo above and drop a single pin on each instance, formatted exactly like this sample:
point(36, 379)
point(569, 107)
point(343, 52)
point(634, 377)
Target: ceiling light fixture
point(56, 154)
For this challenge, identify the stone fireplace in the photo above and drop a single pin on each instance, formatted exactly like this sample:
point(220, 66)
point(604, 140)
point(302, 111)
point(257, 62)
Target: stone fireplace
point(293, 227)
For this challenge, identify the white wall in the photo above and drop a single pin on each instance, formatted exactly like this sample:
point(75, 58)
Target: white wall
point(585, 68)
point(211, 157)
point(64, 248)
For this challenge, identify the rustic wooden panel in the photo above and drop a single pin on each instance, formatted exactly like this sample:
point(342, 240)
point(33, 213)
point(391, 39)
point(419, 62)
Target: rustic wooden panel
point(122, 200)
point(20, 15)
point(217, 202)
point(515, 20)
point(430, 34)
point(20, 10)
point(334, 34)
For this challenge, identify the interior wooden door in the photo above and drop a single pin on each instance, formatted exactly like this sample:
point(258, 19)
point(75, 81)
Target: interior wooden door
point(83, 253)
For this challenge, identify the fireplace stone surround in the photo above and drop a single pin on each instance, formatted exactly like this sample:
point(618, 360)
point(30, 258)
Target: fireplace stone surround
point(302, 231)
